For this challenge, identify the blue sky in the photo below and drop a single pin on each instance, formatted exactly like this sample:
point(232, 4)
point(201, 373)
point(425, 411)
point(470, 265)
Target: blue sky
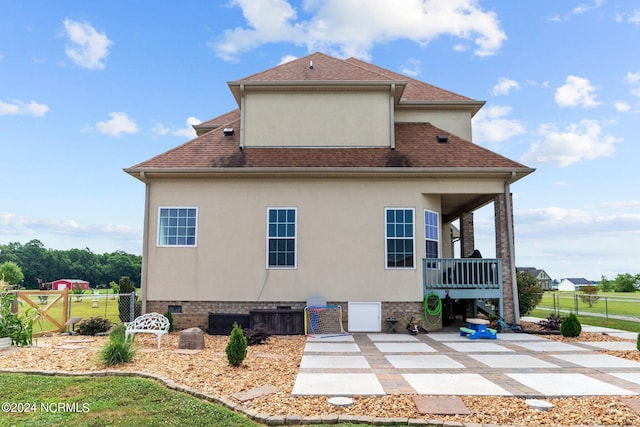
point(89, 88)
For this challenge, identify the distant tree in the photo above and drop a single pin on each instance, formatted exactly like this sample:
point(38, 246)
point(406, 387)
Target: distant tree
point(606, 285)
point(589, 295)
point(11, 273)
point(626, 282)
point(529, 292)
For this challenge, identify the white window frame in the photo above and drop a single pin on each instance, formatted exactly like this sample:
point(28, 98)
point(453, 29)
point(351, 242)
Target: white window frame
point(437, 240)
point(158, 235)
point(295, 240)
point(386, 237)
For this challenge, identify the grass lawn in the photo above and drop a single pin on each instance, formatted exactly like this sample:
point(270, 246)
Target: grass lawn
point(595, 321)
point(107, 401)
point(625, 304)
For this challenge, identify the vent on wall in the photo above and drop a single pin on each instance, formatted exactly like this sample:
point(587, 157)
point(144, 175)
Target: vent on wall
point(227, 131)
point(442, 138)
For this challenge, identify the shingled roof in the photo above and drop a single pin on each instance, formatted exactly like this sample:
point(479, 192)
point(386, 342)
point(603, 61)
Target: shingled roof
point(416, 144)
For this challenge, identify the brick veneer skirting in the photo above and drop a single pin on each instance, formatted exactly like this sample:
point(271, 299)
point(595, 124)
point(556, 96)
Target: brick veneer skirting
point(195, 314)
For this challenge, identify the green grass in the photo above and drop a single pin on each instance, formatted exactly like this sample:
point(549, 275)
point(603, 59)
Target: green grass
point(623, 325)
point(108, 401)
point(625, 304)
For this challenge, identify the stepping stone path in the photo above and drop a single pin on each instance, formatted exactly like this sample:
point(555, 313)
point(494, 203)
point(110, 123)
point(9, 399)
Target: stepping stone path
point(243, 396)
point(440, 405)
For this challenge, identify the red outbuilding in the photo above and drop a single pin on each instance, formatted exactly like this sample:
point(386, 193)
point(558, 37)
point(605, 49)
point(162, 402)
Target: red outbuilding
point(61, 284)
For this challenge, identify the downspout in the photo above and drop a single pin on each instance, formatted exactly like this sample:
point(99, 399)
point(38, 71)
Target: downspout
point(145, 246)
point(392, 125)
point(511, 243)
point(242, 102)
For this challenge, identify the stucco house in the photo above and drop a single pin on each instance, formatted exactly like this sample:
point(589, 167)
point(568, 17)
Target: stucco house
point(335, 178)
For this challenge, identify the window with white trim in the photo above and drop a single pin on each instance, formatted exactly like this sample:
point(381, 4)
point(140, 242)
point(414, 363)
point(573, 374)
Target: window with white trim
point(177, 226)
point(399, 237)
point(282, 230)
point(431, 235)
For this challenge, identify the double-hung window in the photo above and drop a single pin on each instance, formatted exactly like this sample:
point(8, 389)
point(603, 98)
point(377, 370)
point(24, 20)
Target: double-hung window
point(431, 235)
point(177, 226)
point(282, 232)
point(399, 237)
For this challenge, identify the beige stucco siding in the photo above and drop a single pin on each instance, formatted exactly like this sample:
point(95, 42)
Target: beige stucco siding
point(458, 122)
point(340, 240)
point(350, 119)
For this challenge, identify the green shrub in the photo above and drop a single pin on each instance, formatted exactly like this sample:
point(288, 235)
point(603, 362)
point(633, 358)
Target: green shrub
point(169, 317)
point(571, 327)
point(18, 327)
point(237, 347)
point(118, 333)
point(117, 352)
point(93, 326)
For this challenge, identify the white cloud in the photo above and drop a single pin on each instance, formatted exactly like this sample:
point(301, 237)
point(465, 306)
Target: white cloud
point(581, 141)
point(577, 91)
point(188, 131)
point(586, 7)
point(412, 68)
point(17, 107)
point(622, 106)
point(87, 47)
point(350, 28)
point(13, 225)
point(504, 86)
point(287, 58)
point(492, 125)
point(118, 124)
point(634, 17)
point(633, 80)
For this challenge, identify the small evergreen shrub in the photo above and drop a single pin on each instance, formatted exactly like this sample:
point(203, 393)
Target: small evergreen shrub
point(237, 347)
point(169, 317)
point(93, 326)
point(257, 335)
point(571, 327)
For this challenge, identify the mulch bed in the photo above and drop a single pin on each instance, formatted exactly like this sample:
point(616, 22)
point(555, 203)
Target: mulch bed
point(275, 365)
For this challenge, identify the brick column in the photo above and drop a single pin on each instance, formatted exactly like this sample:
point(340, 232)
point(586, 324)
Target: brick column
point(504, 250)
point(467, 242)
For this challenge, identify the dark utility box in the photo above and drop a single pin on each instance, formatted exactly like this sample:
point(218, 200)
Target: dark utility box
point(279, 321)
point(222, 323)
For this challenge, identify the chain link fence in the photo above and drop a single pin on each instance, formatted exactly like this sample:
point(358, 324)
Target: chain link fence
point(622, 307)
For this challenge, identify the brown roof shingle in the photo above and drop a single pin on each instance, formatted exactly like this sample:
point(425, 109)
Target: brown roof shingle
point(416, 147)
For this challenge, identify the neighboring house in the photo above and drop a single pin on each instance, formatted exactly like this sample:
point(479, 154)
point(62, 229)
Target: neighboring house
point(544, 280)
point(573, 284)
point(334, 178)
point(60, 284)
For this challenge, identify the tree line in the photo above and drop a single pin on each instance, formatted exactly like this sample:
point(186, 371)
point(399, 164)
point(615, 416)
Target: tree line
point(38, 262)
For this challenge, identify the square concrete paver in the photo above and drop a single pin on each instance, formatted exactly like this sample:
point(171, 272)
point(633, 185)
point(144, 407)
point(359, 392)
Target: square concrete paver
point(454, 384)
point(330, 338)
point(337, 385)
point(568, 385)
point(511, 361)
point(613, 345)
point(633, 377)
point(246, 395)
point(477, 347)
point(447, 336)
point(392, 337)
point(338, 362)
point(405, 361)
point(331, 347)
point(519, 337)
point(440, 405)
point(404, 347)
point(549, 346)
point(597, 360)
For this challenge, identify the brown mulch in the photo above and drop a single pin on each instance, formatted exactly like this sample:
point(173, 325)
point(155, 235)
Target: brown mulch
point(276, 364)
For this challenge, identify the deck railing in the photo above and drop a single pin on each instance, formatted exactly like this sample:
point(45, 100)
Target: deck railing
point(462, 274)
